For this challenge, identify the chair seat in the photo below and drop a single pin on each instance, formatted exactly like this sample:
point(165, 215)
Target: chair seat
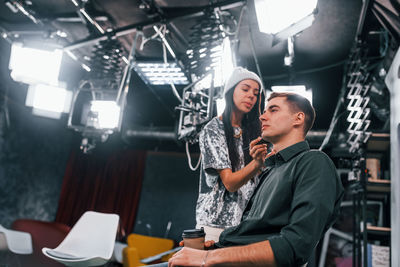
point(16, 241)
point(70, 260)
point(89, 243)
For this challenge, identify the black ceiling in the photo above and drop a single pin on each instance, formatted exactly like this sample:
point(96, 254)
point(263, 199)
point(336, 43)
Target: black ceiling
point(320, 51)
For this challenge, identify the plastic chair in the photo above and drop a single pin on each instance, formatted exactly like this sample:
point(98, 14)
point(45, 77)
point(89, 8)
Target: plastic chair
point(89, 243)
point(16, 241)
point(141, 247)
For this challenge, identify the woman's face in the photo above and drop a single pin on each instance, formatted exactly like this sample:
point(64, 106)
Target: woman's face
point(245, 95)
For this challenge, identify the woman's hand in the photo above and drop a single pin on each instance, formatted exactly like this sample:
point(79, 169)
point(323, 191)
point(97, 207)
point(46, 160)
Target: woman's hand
point(258, 151)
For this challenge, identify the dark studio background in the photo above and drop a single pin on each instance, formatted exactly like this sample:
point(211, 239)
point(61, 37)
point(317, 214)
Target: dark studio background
point(36, 152)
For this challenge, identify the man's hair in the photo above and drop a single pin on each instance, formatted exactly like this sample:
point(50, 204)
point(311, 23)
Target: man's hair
point(299, 103)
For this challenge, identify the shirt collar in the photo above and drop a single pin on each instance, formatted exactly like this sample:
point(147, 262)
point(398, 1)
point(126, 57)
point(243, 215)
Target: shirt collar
point(287, 153)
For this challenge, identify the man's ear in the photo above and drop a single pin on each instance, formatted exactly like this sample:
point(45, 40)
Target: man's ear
point(299, 118)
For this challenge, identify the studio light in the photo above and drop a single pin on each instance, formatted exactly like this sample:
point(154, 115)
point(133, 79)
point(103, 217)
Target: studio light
point(297, 89)
point(157, 73)
point(48, 101)
point(284, 18)
point(221, 62)
point(220, 106)
point(103, 114)
point(30, 65)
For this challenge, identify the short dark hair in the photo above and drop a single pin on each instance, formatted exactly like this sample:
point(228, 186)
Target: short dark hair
point(299, 103)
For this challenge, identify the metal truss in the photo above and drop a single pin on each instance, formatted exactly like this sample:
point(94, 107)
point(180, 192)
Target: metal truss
point(358, 86)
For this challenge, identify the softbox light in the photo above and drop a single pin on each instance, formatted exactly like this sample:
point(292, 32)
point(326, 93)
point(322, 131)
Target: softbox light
point(284, 18)
point(48, 100)
point(31, 65)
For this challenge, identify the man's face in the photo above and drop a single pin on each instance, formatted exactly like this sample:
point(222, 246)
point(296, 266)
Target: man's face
point(277, 120)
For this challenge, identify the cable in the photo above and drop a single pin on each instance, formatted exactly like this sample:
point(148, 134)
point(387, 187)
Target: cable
point(281, 76)
point(175, 92)
point(341, 101)
point(330, 131)
point(253, 50)
point(190, 160)
point(171, 83)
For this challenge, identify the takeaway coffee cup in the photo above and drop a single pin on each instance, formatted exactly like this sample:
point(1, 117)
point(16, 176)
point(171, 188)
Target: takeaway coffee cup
point(194, 238)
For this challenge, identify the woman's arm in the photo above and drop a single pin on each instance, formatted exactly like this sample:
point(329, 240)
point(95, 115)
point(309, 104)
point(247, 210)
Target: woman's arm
point(234, 180)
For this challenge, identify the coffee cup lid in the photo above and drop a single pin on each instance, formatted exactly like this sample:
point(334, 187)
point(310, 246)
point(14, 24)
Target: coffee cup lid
point(192, 233)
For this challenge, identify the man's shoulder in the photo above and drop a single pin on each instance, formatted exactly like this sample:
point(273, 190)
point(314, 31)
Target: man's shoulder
point(317, 158)
point(315, 153)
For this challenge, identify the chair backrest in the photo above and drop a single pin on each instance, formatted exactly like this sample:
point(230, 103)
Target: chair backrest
point(148, 246)
point(16, 241)
point(90, 241)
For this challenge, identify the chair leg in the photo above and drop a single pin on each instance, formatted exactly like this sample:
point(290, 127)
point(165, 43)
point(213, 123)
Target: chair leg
point(324, 248)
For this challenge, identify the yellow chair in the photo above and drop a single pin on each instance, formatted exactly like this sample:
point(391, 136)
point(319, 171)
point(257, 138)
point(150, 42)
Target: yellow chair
point(141, 246)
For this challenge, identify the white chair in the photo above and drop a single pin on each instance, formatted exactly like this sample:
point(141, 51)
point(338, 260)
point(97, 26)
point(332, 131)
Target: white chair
point(89, 243)
point(16, 241)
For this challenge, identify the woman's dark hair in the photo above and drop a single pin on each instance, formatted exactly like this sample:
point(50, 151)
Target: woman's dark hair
point(251, 128)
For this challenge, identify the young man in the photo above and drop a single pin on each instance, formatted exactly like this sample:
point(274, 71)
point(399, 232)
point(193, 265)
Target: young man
point(296, 201)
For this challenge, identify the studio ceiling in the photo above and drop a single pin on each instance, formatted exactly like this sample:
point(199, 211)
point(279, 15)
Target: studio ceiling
point(320, 51)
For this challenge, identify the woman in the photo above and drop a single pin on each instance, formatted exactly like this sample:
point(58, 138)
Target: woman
point(229, 170)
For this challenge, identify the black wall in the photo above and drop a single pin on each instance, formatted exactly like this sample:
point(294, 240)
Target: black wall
point(33, 154)
point(169, 193)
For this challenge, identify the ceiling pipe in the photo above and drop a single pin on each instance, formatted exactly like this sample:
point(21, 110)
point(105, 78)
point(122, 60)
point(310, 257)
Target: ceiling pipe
point(361, 20)
point(151, 133)
point(162, 134)
point(74, 19)
point(253, 51)
point(25, 10)
point(93, 22)
point(132, 28)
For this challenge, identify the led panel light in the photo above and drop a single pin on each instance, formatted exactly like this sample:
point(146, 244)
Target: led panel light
point(222, 64)
point(103, 114)
point(275, 16)
point(161, 73)
point(298, 89)
point(30, 65)
point(48, 100)
point(220, 106)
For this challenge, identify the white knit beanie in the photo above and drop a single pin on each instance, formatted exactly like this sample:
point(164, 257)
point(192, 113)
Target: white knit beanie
point(239, 74)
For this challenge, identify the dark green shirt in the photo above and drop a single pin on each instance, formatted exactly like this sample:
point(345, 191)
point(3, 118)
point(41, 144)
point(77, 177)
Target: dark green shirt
point(297, 200)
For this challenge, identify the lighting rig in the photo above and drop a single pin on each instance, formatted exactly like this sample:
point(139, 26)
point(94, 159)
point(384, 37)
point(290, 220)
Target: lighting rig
point(106, 82)
point(98, 103)
point(209, 60)
point(95, 108)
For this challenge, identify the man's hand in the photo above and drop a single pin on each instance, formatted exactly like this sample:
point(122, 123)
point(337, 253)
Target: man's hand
point(253, 255)
point(187, 257)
